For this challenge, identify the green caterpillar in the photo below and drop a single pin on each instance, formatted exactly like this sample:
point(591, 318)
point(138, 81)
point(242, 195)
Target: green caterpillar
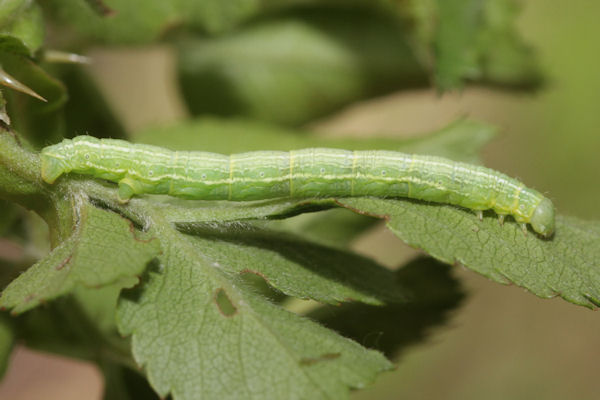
point(139, 169)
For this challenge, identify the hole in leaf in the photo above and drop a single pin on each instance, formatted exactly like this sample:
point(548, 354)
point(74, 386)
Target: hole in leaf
point(259, 283)
point(224, 303)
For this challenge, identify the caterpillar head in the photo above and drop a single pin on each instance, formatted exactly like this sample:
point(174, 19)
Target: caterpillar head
point(69, 155)
point(53, 165)
point(542, 220)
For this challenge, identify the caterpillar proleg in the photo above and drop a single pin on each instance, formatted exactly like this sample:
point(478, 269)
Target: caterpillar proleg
point(316, 172)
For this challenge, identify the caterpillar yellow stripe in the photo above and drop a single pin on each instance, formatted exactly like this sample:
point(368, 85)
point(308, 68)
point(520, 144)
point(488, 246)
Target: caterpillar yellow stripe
point(307, 173)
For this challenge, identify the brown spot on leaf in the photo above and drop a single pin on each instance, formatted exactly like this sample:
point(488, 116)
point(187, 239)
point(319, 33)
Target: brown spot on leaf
point(224, 303)
point(101, 8)
point(64, 263)
point(133, 230)
point(29, 298)
point(324, 357)
point(385, 217)
point(251, 271)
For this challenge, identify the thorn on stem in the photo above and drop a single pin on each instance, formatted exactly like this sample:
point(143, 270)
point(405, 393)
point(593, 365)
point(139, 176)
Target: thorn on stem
point(56, 56)
point(9, 81)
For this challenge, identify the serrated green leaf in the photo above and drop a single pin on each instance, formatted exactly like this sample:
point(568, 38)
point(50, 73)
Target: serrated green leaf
point(21, 27)
point(104, 249)
point(290, 264)
point(199, 335)
point(212, 289)
point(565, 265)
point(393, 327)
point(291, 69)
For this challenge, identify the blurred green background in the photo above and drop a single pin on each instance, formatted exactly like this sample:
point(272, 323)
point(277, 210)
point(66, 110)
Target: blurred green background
point(503, 343)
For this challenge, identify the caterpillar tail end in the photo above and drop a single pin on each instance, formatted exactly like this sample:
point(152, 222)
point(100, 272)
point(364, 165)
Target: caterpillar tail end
point(542, 220)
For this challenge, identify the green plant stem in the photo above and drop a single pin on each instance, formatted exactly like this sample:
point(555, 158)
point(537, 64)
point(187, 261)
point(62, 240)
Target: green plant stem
point(20, 182)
